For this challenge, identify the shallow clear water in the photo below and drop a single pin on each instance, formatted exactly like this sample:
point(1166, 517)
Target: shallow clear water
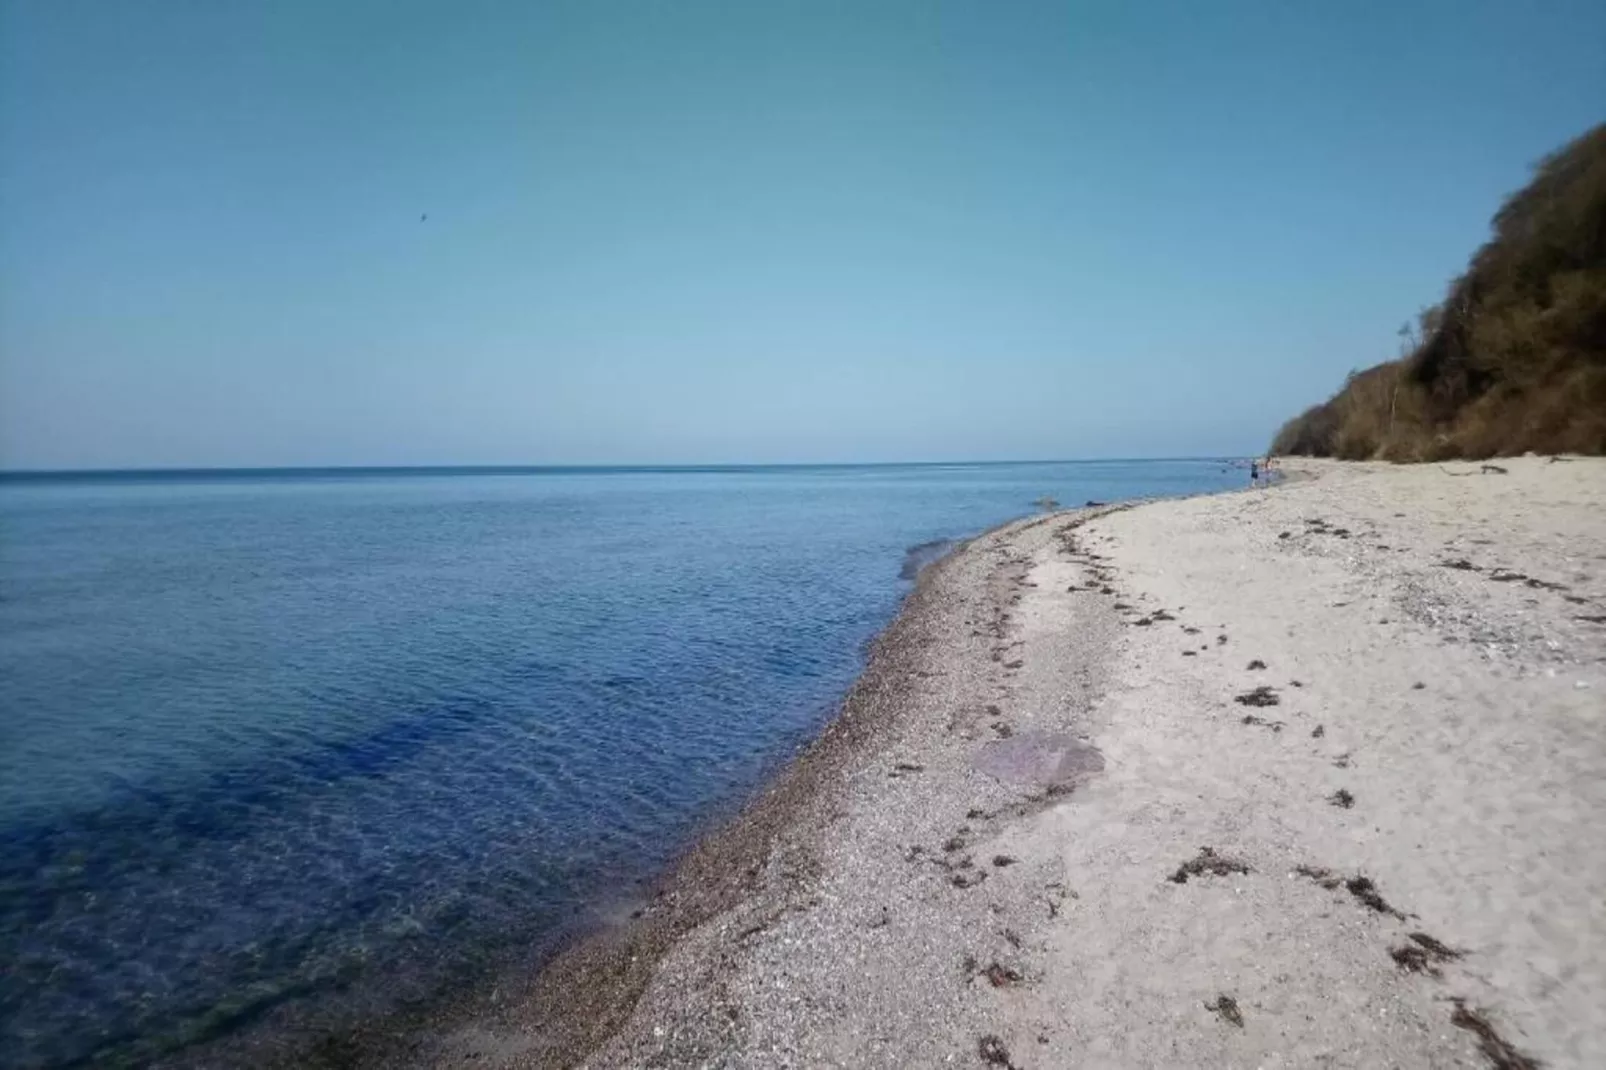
point(266, 737)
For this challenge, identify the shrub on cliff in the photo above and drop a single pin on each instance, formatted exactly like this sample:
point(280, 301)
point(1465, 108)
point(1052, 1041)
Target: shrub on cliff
point(1514, 359)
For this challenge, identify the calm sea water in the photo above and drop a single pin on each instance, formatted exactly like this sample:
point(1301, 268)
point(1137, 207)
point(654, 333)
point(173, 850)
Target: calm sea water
point(320, 739)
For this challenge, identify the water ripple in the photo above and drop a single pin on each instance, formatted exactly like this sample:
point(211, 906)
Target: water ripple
point(346, 737)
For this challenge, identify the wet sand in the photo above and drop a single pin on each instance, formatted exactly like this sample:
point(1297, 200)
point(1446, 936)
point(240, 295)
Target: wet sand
point(1308, 776)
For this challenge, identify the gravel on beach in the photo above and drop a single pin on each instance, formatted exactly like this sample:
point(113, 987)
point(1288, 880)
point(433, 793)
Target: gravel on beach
point(1047, 831)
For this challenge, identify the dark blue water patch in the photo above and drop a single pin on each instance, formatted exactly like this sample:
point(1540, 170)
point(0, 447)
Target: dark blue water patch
point(334, 741)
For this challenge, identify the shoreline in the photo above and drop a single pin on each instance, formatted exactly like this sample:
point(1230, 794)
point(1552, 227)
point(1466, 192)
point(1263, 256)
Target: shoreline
point(582, 989)
point(587, 992)
point(1056, 820)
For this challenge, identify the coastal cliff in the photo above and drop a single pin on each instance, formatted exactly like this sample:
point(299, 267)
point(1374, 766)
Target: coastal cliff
point(1514, 358)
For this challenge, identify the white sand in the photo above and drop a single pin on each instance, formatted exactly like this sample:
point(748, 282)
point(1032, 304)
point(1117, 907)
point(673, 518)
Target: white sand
point(1465, 712)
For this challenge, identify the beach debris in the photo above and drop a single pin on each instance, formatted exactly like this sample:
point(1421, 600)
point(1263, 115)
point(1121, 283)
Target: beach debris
point(1500, 1052)
point(905, 768)
point(1459, 563)
point(1046, 503)
point(1057, 893)
point(1318, 732)
point(1207, 862)
point(1342, 761)
point(967, 878)
point(1285, 535)
point(1275, 726)
point(1004, 860)
point(881, 919)
point(1493, 469)
point(992, 1052)
point(954, 843)
point(1342, 799)
point(1436, 948)
point(1362, 888)
point(1591, 619)
point(1321, 875)
point(1190, 630)
point(1412, 959)
point(1190, 653)
point(1001, 976)
point(1226, 1009)
point(1011, 937)
point(1260, 696)
point(1256, 665)
point(1418, 686)
point(1221, 640)
point(1423, 954)
point(1017, 663)
point(1507, 576)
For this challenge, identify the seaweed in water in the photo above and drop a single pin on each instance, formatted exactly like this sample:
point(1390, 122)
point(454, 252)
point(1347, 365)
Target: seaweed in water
point(1207, 862)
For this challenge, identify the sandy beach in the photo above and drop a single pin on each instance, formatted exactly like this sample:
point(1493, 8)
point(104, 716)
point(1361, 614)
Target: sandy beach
point(1307, 776)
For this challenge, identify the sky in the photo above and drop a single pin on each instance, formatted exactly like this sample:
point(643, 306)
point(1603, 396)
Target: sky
point(739, 232)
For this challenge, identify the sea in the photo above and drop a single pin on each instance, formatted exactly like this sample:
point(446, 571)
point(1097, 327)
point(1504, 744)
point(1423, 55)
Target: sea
point(287, 749)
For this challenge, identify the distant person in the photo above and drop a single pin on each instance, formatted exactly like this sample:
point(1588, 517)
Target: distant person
point(1254, 473)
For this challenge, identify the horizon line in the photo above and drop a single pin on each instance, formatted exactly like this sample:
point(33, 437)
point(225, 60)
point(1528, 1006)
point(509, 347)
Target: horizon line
point(182, 471)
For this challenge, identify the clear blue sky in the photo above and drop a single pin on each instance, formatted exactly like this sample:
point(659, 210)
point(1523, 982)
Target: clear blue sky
point(683, 232)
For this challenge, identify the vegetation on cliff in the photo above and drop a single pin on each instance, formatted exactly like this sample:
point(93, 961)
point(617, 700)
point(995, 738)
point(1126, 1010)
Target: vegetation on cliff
point(1513, 359)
